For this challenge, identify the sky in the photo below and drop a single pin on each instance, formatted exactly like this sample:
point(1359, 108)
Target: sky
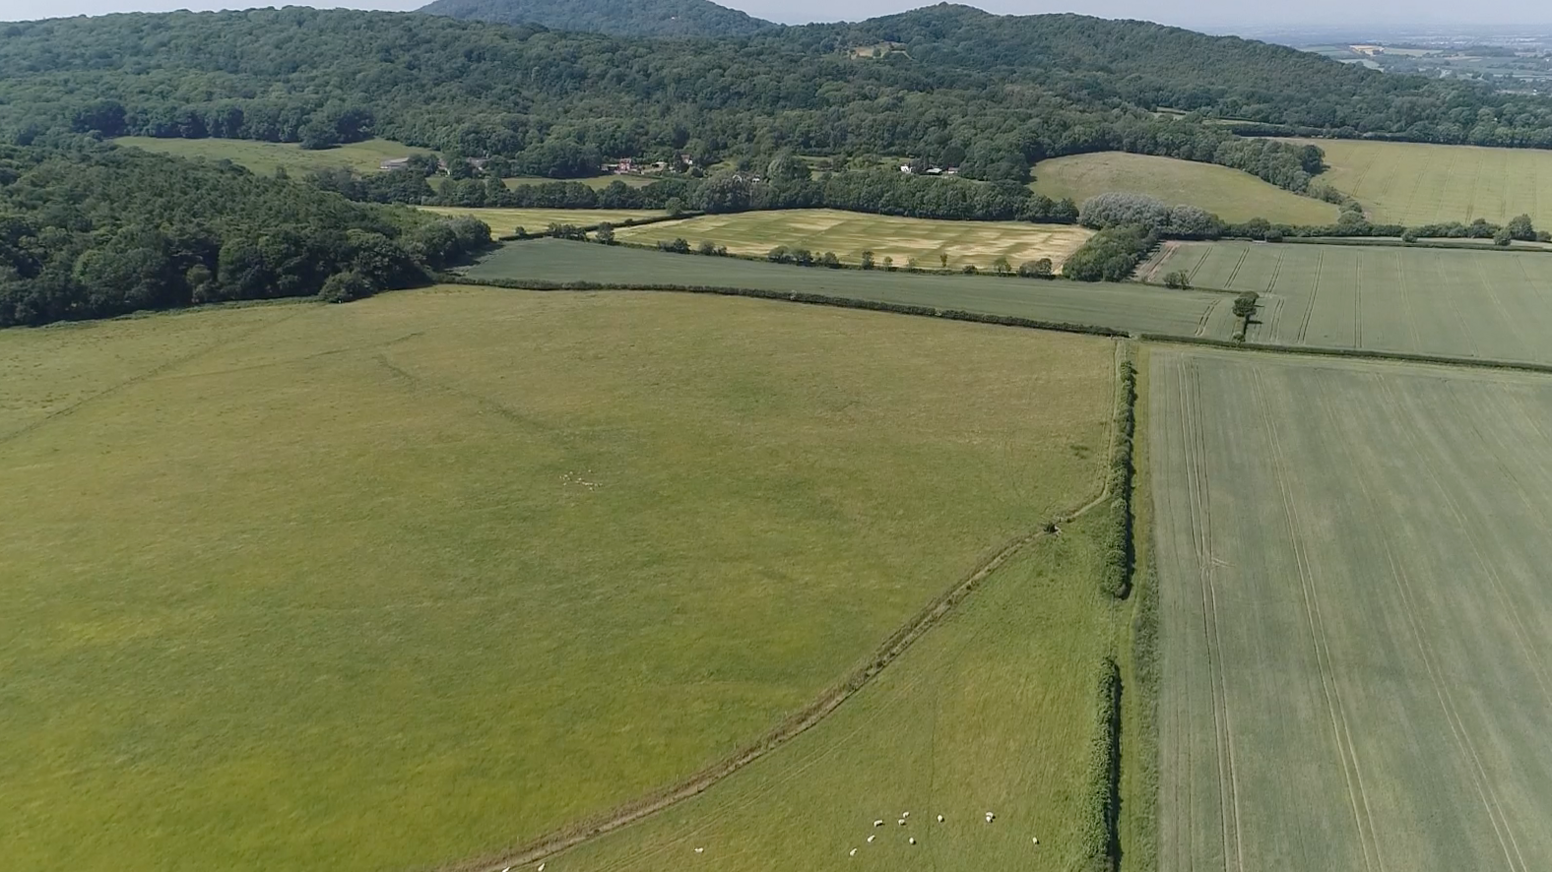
point(1207, 14)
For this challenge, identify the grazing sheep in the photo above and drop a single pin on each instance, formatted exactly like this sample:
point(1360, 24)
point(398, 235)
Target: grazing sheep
point(902, 822)
point(940, 819)
point(878, 823)
point(1037, 840)
point(871, 838)
point(698, 850)
point(913, 840)
point(905, 814)
point(853, 853)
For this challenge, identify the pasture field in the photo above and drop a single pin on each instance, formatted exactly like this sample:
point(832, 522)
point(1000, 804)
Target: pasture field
point(1417, 183)
point(1228, 193)
point(597, 183)
point(849, 234)
point(1356, 673)
point(1126, 306)
point(989, 711)
point(1458, 303)
point(503, 222)
point(455, 567)
point(264, 157)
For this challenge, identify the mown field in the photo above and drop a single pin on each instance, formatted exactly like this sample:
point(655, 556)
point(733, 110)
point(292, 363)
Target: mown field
point(504, 222)
point(849, 234)
point(988, 712)
point(1457, 303)
point(454, 567)
point(1417, 183)
point(1230, 194)
point(264, 158)
point(1356, 667)
point(1128, 307)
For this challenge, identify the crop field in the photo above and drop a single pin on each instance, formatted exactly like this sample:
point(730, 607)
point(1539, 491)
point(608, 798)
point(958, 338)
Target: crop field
point(849, 234)
point(1417, 183)
point(264, 158)
point(1228, 193)
point(1355, 614)
point(503, 222)
point(1127, 306)
point(454, 567)
point(989, 711)
point(1457, 303)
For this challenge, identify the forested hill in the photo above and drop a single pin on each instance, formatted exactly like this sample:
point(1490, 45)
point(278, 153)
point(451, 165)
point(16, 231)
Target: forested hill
point(614, 17)
point(947, 83)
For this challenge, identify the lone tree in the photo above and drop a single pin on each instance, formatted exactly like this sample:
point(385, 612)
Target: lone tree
point(867, 260)
point(605, 233)
point(943, 259)
point(889, 263)
point(1180, 282)
point(1245, 309)
point(1002, 267)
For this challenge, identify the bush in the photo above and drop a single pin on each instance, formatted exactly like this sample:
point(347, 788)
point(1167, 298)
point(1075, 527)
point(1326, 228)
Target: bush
point(678, 246)
point(345, 287)
point(969, 269)
point(830, 260)
point(779, 254)
point(1245, 305)
point(1178, 280)
point(605, 233)
point(1002, 267)
point(1037, 269)
point(867, 260)
point(889, 263)
point(1503, 238)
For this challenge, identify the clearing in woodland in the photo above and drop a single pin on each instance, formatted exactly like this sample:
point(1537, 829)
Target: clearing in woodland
point(457, 567)
point(1455, 303)
point(263, 158)
point(1417, 183)
point(1356, 671)
point(849, 234)
point(1228, 193)
point(1123, 306)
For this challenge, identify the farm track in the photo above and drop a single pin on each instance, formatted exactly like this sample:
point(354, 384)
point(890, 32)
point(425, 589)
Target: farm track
point(898, 643)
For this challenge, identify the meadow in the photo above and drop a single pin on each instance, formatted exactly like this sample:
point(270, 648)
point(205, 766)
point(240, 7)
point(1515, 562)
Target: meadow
point(1228, 193)
point(986, 712)
point(1456, 303)
point(597, 183)
point(455, 567)
point(849, 234)
point(264, 158)
point(505, 222)
point(1416, 183)
point(1355, 614)
point(1129, 307)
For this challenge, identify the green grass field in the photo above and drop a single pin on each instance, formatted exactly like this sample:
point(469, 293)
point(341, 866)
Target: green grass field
point(1416, 183)
point(264, 157)
point(1231, 194)
point(504, 221)
point(1126, 306)
point(1356, 671)
point(1472, 304)
point(849, 234)
point(394, 583)
point(985, 713)
point(597, 183)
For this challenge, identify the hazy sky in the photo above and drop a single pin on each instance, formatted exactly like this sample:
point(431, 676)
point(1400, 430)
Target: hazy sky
point(1403, 13)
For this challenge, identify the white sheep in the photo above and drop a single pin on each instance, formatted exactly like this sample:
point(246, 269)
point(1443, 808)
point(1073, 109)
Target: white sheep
point(902, 822)
point(878, 823)
point(905, 814)
point(853, 853)
point(913, 840)
point(1037, 840)
point(871, 838)
point(698, 850)
point(940, 819)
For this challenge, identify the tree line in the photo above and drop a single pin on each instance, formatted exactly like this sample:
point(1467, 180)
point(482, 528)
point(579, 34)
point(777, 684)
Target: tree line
point(990, 95)
point(97, 232)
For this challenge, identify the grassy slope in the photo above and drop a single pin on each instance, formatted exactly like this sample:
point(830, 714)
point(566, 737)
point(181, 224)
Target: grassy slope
point(503, 222)
point(597, 183)
point(988, 712)
point(1489, 304)
point(1121, 306)
point(263, 157)
point(1415, 183)
point(1231, 194)
point(849, 234)
point(304, 589)
point(1355, 614)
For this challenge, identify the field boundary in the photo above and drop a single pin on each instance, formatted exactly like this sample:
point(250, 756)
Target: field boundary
point(1351, 353)
point(892, 648)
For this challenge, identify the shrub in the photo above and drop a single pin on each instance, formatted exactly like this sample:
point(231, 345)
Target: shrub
point(1245, 305)
point(1002, 267)
point(605, 233)
point(345, 287)
point(889, 263)
point(1178, 280)
point(867, 260)
point(1503, 238)
point(1521, 228)
point(969, 269)
point(779, 254)
point(1037, 269)
point(830, 260)
point(1410, 235)
point(678, 246)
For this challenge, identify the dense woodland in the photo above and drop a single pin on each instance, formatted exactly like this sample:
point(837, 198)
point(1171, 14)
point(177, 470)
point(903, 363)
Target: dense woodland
point(614, 17)
point(103, 231)
point(947, 85)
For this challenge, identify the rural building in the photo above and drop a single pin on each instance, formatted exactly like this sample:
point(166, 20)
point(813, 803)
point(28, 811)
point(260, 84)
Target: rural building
point(396, 163)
